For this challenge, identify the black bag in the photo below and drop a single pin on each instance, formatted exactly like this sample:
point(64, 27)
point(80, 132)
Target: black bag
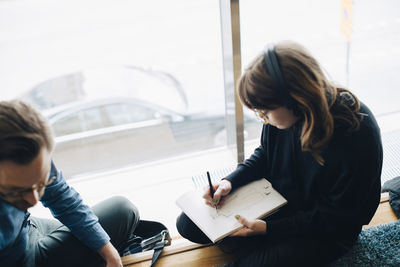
point(149, 235)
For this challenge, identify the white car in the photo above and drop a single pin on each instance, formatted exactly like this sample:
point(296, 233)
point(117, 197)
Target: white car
point(94, 134)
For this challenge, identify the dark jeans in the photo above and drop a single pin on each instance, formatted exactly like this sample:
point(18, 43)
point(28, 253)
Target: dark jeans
point(267, 251)
point(52, 244)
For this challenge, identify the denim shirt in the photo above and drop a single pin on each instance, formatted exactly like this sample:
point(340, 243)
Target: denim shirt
point(65, 204)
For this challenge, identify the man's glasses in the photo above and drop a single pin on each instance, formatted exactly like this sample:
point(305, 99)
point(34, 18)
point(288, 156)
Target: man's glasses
point(37, 187)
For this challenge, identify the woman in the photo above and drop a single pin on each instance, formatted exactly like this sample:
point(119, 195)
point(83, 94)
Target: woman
point(320, 148)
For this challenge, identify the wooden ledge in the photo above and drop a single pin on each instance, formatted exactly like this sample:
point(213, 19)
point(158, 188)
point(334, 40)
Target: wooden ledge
point(181, 252)
point(178, 245)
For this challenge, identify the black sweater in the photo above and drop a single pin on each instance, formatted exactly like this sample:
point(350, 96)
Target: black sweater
point(329, 202)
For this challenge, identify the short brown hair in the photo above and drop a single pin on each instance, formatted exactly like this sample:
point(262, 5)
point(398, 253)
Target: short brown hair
point(322, 105)
point(23, 132)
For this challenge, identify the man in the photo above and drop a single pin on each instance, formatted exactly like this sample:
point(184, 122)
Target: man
point(80, 236)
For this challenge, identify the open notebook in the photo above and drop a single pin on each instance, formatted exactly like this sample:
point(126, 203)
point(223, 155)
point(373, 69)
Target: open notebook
point(255, 200)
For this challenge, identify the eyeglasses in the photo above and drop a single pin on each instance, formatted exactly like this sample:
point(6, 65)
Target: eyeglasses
point(37, 187)
point(261, 115)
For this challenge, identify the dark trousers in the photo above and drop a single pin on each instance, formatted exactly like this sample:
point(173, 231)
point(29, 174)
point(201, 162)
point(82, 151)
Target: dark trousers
point(52, 244)
point(266, 251)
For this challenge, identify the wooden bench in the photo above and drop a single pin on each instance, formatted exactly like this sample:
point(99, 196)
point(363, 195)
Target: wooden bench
point(186, 253)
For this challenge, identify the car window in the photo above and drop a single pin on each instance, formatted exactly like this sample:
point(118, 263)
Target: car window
point(80, 121)
point(68, 125)
point(123, 113)
point(93, 119)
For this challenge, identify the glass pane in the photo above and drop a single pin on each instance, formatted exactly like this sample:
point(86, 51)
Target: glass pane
point(117, 114)
point(128, 113)
point(373, 70)
point(69, 125)
point(92, 119)
point(374, 54)
point(164, 55)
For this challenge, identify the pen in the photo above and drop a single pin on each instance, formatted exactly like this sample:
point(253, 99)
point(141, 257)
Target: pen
point(211, 190)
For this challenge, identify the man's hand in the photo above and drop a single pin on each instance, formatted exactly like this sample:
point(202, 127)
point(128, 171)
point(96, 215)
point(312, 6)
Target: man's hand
point(110, 255)
point(252, 227)
point(220, 190)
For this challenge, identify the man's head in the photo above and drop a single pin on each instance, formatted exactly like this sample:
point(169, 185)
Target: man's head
point(26, 143)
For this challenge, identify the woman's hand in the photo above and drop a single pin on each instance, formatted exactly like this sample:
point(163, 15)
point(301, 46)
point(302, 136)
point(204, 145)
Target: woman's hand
point(251, 227)
point(220, 190)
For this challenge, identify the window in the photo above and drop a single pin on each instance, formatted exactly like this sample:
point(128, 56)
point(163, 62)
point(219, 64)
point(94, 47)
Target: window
point(163, 55)
point(68, 125)
point(370, 57)
point(174, 60)
point(92, 118)
point(121, 113)
point(78, 121)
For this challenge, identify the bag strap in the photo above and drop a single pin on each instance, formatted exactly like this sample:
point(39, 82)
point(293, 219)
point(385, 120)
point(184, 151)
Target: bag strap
point(158, 248)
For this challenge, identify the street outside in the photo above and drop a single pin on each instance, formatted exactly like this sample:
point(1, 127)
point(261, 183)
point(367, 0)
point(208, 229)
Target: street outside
point(41, 40)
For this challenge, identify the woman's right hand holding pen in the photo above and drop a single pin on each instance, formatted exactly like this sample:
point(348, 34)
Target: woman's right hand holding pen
point(221, 189)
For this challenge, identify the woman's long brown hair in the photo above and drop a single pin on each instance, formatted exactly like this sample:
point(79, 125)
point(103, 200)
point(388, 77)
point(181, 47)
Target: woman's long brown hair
point(322, 105)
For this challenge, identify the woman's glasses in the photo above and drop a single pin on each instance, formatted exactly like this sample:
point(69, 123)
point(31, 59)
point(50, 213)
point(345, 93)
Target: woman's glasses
point(261, 115)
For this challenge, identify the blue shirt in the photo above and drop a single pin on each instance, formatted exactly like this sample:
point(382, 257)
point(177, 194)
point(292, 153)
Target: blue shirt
point(65, 204)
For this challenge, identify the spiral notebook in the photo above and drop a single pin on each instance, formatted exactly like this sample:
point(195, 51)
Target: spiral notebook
point(255, 200)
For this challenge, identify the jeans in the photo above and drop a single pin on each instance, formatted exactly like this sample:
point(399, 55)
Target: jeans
point(52, 244)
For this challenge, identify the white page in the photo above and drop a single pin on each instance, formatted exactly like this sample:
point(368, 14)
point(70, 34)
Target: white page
point(255, 200)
